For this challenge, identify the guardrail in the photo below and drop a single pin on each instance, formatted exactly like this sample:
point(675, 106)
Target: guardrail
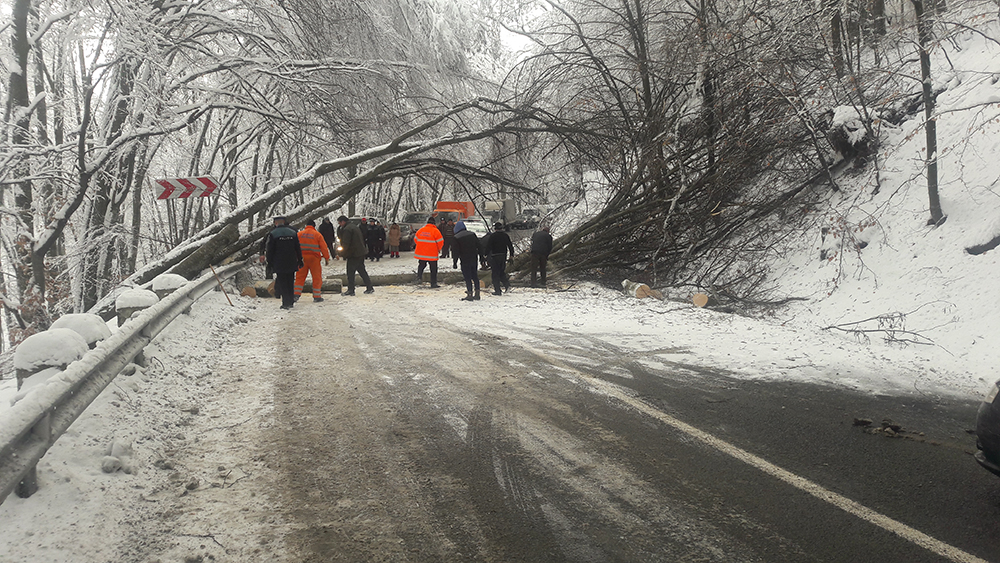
point(30, 427)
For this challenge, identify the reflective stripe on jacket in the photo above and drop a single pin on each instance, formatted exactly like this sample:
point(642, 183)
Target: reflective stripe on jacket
point(428, 243)
point(312, 243)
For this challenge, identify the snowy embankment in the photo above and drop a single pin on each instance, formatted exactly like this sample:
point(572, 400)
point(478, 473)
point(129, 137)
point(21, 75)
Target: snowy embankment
point(921, 297)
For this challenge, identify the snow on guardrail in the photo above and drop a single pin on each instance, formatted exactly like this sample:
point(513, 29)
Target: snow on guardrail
point(35, 422)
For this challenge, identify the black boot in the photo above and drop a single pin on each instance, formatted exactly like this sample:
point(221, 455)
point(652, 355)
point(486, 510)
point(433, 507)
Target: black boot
point(475, 296)
point(468, 297)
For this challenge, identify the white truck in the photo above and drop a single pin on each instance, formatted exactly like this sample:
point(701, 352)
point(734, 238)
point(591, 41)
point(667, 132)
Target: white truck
point(502, 210)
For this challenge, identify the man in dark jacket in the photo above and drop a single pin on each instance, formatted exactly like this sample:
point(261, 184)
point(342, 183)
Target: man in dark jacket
point(363, 227)
point(541, 246)
point(448, 232)
point(329, 233)
point(376, 240)
point(467, 248)
point(284, 256)
point(352, 243)
point(497, 246)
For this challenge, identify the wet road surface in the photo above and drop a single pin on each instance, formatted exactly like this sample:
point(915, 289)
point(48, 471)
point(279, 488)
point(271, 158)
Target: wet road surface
point(419, 440)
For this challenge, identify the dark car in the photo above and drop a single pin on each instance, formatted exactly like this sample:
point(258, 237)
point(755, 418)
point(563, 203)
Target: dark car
point(988, 431)
point(406, 234)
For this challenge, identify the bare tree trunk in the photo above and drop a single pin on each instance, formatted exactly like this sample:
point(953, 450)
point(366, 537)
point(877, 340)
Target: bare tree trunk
point(930, 126)
point(878, 17)
point(708, 91)
point(20, 136)
point(836, 42)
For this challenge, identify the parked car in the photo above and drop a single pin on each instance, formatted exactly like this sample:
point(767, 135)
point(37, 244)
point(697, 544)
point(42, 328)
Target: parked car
point(406, 234)
point(988, 431)
point(476, 225)
point(415, 220)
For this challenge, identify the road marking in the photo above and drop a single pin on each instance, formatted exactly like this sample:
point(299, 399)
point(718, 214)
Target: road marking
point(847, 505)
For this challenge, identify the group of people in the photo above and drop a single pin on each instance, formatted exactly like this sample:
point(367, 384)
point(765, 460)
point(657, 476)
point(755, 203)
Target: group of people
point(292, 255)
point(496, 249)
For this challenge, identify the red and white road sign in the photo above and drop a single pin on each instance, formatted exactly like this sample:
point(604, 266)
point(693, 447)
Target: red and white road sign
point(173, 188)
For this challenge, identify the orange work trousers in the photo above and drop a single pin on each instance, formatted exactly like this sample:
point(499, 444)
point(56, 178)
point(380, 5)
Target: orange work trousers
point(313, 267)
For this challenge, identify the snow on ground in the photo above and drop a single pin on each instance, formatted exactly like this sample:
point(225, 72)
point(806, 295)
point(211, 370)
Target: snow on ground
point(148, 413)
point(909, 282)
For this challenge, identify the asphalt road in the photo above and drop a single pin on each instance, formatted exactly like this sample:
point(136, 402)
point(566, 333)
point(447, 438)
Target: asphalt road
point(429, 441)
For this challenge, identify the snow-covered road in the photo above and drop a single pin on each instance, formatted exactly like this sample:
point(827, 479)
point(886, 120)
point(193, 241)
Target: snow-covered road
point(409, 425)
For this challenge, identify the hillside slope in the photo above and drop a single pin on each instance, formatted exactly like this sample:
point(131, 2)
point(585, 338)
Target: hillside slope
point(870, 258)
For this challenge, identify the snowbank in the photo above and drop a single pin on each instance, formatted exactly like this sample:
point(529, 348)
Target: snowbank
point(53, 347)
point(136, 299)
point(168, 282)
point(88, 325)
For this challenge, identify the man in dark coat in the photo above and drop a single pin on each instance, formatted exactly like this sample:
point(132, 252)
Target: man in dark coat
point(375, 239)
point(353, 250)
point(497, 246)
point(467, 249)
point(363, 227)
point(284, 256)
point(329, 233)
point(380, 241)
point(541, 246)
point(448, 232)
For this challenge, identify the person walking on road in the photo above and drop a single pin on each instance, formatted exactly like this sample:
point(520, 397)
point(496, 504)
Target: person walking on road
point(376, 240)
point(284, 255)
point(329, 233)
point(541, 247)
point(448, 233)
point(428, 242)
point(497, 246)
point(313, 247)
point(394, 236)
point(363, 227)
point(467, 249)
point(353, 250)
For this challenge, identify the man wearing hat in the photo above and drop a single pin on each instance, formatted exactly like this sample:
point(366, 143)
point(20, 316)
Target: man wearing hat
point(353, 244)
point(497, 246)
point(284, 256)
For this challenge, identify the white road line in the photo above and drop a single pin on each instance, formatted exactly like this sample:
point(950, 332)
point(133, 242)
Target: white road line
point(847, 505)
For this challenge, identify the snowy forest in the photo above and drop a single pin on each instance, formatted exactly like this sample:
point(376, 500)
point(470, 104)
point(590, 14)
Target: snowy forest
point(697, 127)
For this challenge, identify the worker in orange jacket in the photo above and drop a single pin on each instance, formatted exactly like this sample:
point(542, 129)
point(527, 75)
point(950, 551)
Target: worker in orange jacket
point(313, 247)
point(427, 245)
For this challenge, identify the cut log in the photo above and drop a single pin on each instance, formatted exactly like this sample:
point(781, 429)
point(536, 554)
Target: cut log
point(330, 285)
point(640, 290)
point(703, 300)
point(264, 288)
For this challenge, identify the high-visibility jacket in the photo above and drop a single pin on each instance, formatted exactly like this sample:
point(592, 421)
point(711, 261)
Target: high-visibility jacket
point(428, 243)
point(312, 243)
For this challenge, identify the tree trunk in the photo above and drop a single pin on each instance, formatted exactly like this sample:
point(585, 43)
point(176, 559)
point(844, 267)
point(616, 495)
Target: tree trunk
point(836, 42)
point(878, 17)
point(98, 259)
point(707, 92)
point(20, 136)
point(930, 127)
